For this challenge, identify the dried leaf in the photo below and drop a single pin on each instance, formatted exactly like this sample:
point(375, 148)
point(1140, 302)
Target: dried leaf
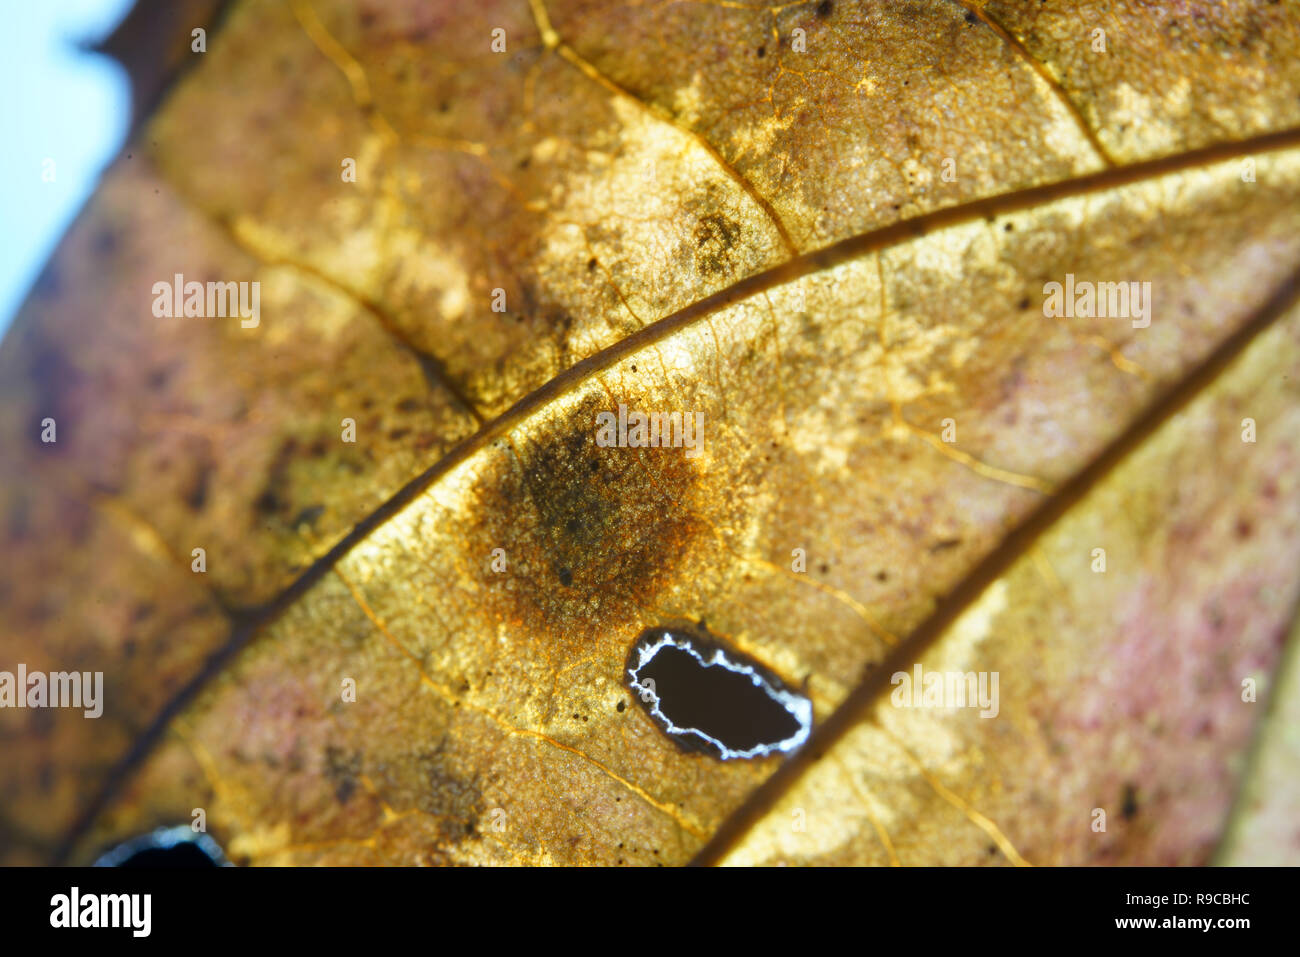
point(826, 230)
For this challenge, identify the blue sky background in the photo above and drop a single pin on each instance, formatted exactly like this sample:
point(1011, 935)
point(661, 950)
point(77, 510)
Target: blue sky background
point(58, 103)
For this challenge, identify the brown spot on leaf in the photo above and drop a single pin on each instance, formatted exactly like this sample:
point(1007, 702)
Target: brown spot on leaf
point(585, 542)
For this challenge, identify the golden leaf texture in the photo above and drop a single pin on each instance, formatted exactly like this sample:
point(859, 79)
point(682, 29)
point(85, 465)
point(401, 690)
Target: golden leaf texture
point(828, 232)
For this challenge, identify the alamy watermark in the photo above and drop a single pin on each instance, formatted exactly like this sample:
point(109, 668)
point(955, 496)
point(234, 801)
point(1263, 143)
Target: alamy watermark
point(129, 911)
point(55, 689)
point(650, 430)
point(1098, 300)
point(213, 300)
point(946, 689)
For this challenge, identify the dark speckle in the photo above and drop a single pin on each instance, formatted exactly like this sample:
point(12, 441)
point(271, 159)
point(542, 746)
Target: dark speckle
point(267, 503)
point(566, 577)
point(309, 515)
point(196, 496)
point(342, 769)
point(825, 9)
point(105, 242)
point(1129, 808)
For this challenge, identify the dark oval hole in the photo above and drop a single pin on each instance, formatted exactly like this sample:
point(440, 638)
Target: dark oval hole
point(710, 698)
point(167, 847)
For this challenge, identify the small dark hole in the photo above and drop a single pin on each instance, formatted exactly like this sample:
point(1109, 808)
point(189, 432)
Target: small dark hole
point(707, 697)
point(184, 855)
point(723, 704)
point(168, 848)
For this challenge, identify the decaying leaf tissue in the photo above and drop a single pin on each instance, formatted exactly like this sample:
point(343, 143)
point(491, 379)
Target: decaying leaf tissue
point(907, 389)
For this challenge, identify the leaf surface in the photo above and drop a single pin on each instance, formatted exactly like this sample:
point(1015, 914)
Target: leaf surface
point(678, 222)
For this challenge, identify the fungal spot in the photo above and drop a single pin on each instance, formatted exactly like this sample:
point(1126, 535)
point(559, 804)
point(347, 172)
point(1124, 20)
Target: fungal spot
point(590, 530)
point(716, 237)
point(176, 847)
point(714, 699)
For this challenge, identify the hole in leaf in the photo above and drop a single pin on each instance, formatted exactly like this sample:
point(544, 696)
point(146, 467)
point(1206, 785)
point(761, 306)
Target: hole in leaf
point(167, 847)
point(710, 698)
